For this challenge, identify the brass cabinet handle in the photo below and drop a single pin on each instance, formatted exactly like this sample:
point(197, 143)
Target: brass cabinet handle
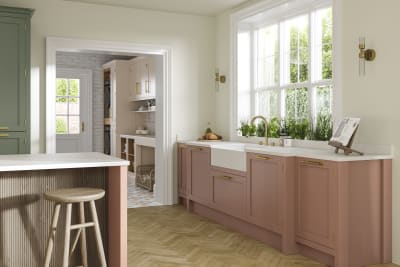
point(3, 128)
point(225, 177)
point(182, 146)
point(4, 135)
point(198, 149)
point(262, 157)
point(312, 162)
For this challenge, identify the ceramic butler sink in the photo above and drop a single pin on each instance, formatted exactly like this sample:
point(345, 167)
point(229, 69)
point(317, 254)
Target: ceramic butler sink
point(229, 155)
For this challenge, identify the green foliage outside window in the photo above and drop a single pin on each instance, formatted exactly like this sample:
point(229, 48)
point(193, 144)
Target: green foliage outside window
point(67, 88)
point(61, 126)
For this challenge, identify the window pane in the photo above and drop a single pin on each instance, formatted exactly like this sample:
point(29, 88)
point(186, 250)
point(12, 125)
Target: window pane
point(267, 103)
point(74, 106)
point(61, 125)
point(323, 44)
point(61, 87)
point(323, 99)
point(297, 103)
point(267, 57)
point(296, 49)
point(74, 87)
point(61, 108)
point(243, 67)
point(74, 125)
point(243, 107)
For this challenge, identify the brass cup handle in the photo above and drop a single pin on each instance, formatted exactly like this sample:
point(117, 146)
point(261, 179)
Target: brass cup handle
point(4, 135)
point(225, 177)
point(312, 162)
point(263, 157)
point(3, 128)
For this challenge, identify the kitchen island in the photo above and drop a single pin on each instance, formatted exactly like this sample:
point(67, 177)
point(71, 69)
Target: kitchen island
point(26, 216)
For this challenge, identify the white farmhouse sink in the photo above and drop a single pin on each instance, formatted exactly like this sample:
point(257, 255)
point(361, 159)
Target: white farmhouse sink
point(229, 155)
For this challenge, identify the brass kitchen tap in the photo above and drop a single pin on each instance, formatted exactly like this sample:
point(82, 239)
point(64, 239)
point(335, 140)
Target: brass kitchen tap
point(266, 126)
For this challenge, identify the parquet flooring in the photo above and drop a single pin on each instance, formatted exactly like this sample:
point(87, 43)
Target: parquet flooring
point(168, 236)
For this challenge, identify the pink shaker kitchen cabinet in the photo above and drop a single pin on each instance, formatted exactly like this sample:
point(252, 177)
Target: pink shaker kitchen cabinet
point(343, 211)
point(316, 203)
point(183, 169)
point(228, 192)
point(336, 212)
point(270, 196)
point(194, 174)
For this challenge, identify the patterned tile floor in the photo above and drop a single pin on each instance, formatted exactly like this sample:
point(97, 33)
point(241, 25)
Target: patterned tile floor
point(139, 197)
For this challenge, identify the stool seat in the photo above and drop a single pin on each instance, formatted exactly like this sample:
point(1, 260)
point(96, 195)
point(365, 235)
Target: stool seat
point(75, 195)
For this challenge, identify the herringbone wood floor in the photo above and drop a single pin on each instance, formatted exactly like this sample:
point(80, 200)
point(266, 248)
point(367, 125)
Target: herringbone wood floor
point(168, 236)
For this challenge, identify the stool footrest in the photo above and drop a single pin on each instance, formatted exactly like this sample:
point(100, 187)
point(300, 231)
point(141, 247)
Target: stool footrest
point(82, 225)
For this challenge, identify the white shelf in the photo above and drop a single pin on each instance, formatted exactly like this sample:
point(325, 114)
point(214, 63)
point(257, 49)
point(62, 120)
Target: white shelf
point(143, 111)
point(133, 99)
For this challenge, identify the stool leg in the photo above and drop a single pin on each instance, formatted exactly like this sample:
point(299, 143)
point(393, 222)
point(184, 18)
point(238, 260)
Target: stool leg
point(98, 234)
point(52, 234)
point(67, 234)
point(83, 236)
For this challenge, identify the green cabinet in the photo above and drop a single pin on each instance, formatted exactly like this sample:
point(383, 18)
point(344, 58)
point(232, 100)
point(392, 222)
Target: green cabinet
point(13, 143)
point(15, 80)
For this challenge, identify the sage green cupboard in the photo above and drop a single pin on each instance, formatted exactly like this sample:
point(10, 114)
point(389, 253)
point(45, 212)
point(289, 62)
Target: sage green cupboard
point(15, 80)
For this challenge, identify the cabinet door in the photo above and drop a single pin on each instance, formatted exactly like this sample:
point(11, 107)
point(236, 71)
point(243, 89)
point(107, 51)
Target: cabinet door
point(316, 201)
point(183, 169)
point(144, 77)
point(229, 193)
point(135, 82)
point(14, 74)
point(265, 190)
point(151, 92)
point(200, 174)
point(13, 143)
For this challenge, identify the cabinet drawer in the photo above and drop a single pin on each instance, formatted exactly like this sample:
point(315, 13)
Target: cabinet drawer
point(228, 194)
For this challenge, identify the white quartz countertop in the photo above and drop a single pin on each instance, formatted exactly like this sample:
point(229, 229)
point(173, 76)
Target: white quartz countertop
point(58, 161)
point(325, 153)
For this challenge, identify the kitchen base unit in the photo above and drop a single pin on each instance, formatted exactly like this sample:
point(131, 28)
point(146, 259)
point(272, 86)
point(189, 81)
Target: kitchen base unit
point(26, 215)
point(338, 212)
point(344, 211)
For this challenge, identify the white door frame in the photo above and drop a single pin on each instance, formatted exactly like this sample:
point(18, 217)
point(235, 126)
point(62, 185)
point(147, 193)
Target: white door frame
point(84, 75)
point(164, 140)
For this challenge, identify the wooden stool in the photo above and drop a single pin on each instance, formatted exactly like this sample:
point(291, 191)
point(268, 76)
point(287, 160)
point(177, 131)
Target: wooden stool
point(68, 197)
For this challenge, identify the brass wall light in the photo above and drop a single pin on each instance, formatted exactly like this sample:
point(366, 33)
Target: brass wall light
point(218, 79)
point(364, 55)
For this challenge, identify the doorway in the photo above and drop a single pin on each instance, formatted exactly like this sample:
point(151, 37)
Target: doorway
point(164, 141)
point(73, 111)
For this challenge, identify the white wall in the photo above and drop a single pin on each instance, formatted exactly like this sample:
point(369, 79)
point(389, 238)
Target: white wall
point(192, 39)
point(374, 98)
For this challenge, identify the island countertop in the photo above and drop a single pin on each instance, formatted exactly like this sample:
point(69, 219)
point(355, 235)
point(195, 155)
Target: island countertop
point(25, 178)
point(58, 161)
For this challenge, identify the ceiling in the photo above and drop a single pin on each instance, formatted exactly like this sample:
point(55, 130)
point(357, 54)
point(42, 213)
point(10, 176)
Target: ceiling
point(198, 7)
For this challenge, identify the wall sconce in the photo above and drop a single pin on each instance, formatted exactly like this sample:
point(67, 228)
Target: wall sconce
point(218, 79)
point(364, 55)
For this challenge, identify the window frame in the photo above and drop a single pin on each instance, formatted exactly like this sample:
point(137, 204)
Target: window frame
point(292, 12)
